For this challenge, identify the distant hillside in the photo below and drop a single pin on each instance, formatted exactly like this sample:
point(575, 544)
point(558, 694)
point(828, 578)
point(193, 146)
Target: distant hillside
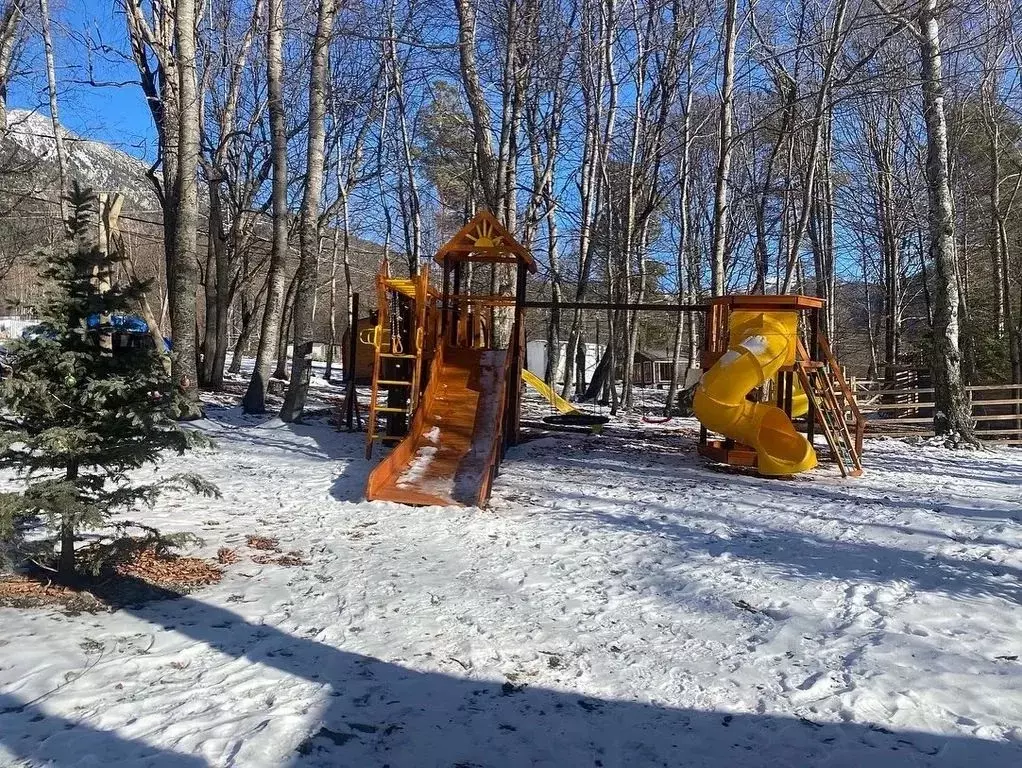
point(28, 212)
point(93, 163)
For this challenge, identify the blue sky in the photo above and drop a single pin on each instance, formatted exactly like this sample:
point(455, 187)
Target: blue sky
point(90, 42)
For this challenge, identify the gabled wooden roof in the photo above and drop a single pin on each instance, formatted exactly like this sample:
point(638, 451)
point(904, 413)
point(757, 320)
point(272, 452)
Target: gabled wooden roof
point(485, 239)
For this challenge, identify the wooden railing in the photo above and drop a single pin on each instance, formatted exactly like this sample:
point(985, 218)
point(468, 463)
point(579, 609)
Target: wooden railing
point(898, 412)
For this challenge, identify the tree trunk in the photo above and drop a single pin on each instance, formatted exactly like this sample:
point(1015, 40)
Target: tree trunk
point(495, 168)
point(266, 354)
point(286, 331)
point(721, 209)
point(51, 86)
point(346, 326)
point(283, 342)
point(332, 318)
point(413, 219)
point(66, 569)
point(999, 241)
point(216, 346)
point(182, 297)
point(598, 54)
point(207, 283)
point(10, 21)
point(952, 411)
point(996, 261)
point(683, 247)
point(486, 160)
point(304, 309)
point(248, 310)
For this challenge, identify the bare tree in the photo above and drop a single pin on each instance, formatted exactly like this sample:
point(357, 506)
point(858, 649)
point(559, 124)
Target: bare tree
point(952, 411)
point(497, 166)
point(355, 114)
point(151, 36)
point(833, 46)
point(51, 86)
point(599, 91)
point(408, 185)
point(235, 170)
point(308, 226)
point(183, 261)
point(11, 14)
point(729, 38)
point(266, 353)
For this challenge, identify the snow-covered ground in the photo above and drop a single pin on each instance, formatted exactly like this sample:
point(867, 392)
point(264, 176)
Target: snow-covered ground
point(620, 604)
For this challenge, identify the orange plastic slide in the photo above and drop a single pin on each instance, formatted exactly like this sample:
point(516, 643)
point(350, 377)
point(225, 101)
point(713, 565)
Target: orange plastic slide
point(761, 343)
point(453, 443)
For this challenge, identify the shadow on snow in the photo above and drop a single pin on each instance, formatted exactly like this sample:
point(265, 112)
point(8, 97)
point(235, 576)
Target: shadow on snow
point(377, 713)
point(380, 714)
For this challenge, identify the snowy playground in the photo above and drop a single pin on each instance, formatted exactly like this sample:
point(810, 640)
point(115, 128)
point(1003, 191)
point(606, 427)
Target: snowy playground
point(620, 603)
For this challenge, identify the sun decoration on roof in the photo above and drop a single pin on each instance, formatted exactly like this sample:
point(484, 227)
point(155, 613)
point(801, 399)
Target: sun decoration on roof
point(485, 236)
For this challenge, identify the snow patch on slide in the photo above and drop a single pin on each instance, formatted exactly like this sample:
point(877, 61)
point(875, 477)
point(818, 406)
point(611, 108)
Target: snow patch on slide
point(418, 467)
point(757, 345)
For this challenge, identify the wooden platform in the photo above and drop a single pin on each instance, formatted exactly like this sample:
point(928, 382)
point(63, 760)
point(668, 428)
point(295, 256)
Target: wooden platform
point(737, 455)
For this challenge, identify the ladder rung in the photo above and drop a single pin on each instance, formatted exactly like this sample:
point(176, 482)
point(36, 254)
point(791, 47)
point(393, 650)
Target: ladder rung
point(380, 409)
point(388, 438)
point(395, 383)
point(393, 355)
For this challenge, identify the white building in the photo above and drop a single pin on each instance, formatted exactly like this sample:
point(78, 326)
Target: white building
point(12, 326)
point(536, 356)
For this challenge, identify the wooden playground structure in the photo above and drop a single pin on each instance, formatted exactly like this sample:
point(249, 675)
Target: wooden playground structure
point(446, 391)
point(806, 380)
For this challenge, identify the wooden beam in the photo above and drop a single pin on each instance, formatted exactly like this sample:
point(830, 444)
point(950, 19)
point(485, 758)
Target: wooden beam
point(617, 306)
point(929, 419)
point(930, 404)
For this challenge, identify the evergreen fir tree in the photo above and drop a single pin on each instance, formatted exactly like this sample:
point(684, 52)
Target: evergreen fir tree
point(76, 415)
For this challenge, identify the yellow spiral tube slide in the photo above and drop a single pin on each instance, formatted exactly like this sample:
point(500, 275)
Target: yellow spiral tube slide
point(760, 344)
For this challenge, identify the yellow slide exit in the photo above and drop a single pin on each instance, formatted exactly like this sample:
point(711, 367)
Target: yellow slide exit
point(552, 397)
point(760, 344)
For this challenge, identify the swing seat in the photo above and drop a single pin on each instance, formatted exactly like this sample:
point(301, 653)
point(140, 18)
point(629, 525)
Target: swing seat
point(577, 419)
point(651, 417)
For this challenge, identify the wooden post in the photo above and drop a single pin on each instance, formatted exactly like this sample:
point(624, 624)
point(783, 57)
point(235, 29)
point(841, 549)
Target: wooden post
point(708, 328)
point(445, 306)
point(352, 337)
point(517, 344)
point(456, 307)
point(814, 354)
point(109, 239)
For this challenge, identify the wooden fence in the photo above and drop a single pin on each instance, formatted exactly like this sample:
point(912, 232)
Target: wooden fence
point(899, 412)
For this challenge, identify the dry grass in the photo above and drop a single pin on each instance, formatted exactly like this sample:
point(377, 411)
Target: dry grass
point(288, 560)
point(263, 542)
point(145, 577)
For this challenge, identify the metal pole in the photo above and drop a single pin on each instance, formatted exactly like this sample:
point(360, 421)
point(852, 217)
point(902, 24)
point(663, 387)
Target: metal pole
point(351, 394)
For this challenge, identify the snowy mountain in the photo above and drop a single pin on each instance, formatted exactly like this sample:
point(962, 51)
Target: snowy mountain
point(93, 163)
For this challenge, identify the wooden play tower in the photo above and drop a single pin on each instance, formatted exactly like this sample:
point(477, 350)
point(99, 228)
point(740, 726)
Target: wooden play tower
point(451, 381)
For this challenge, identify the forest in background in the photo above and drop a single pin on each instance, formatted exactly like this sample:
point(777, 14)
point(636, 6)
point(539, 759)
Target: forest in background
point(867, 152)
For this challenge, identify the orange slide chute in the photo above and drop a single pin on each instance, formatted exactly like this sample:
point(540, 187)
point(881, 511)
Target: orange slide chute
point(453, 442)
point(760, 344)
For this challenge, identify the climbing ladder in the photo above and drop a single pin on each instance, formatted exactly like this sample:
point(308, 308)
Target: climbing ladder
point(389, 351)
point(836, 410)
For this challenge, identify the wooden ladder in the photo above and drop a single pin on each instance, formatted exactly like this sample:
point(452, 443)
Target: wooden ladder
point(387, 348)
point(834, 408)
